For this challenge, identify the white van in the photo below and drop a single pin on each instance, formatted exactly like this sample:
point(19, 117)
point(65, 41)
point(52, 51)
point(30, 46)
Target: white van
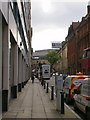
point(72, 82)
point(46, 72)
point(82, 97)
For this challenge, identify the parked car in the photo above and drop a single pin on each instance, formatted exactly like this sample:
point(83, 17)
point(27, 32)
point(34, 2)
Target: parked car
point(82, 97)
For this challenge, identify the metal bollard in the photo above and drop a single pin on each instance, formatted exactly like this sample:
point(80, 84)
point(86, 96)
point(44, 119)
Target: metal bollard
point(42, 81)
point(62, 102)
point(47, 88)
point(52, 92)
point(44, 85)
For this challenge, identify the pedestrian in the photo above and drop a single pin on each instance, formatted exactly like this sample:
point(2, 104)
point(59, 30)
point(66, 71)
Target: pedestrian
point(32, 78)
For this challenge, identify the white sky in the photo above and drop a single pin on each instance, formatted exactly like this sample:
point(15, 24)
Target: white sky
point(51, 19)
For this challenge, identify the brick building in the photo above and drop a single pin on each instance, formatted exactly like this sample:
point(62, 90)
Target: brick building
point(83, 37)
point(78, 39)
point(71, 48)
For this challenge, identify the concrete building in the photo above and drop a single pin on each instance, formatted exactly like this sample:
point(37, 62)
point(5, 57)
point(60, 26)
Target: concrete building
point(61, 65)
point(39, 57)
point(64, 57)
point(15, 48)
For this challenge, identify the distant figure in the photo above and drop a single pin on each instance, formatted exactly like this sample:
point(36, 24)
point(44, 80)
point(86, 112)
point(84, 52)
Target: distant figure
point(32, 78)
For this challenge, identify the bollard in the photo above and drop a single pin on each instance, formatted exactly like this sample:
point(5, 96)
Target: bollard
point(62, 102)
point(47, 88)
point(42, 81)
point(52, 92)
point(44, 85)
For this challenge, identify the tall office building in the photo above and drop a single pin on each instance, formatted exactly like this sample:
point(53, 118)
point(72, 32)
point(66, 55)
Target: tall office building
point(15, 48)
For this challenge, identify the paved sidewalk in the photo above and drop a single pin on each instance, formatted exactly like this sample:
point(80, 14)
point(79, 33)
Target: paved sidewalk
point(34, 102)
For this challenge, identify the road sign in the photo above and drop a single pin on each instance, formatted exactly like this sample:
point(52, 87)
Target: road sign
point(56, 45)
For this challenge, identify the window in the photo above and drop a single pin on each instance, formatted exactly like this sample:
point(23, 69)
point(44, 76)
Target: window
point(85, 54)
point(88, 54)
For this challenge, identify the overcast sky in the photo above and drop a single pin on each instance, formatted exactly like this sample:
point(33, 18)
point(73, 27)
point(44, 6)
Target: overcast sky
point(51, 19)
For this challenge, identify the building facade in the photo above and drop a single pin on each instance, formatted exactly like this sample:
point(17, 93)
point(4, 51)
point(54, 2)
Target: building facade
point(78, 39)
point(62, 65)
point(64, 58)
point(83, 38)
point(71, 48)
point(39, 57)
point(15, 48)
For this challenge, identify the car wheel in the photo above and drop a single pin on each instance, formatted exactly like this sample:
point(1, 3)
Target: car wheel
point(67, 99)
point(88, 114)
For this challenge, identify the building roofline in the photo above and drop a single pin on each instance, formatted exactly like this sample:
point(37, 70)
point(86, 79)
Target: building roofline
point(44, 50)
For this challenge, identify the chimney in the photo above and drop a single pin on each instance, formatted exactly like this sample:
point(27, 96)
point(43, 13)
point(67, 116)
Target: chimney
point(88, 8)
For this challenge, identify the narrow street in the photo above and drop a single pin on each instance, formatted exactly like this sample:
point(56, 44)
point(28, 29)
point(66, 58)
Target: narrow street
point(44, 54)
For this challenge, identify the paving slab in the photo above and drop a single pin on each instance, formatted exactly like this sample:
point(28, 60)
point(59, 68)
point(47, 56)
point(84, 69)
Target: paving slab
point(34, 102)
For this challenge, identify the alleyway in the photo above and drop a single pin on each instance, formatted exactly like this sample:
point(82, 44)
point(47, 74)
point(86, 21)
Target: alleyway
point(34, 102)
